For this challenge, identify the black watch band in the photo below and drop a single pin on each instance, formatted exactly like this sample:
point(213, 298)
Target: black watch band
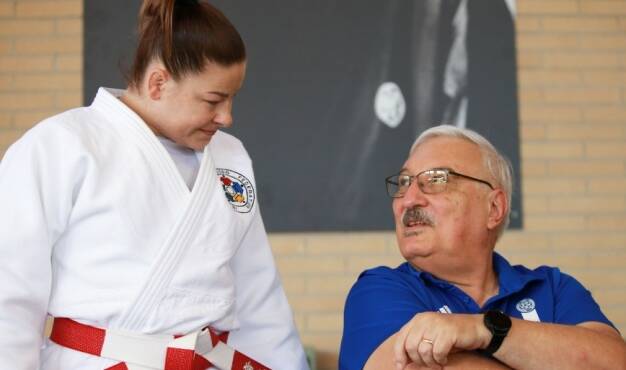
point(499, 325)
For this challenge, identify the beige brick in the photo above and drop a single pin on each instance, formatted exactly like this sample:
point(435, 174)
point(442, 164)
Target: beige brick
point(8, 137)
point(47, 82)
point(357, 264)
point(610, 150)
point(565, 60)
point(564, 261)
point(6, 82)
point(606, 223)
point(310, 265)
point(324, 285)
point(324, 322)
point(600, 279)
point(532, 168)
point(587, 204)
point(329, 303)
point(555, 223)
point(26, 120)
point(585, 168)
point(530, 59)
point(604, 114)
point(49, 9)
point(293, 285)
point(607, 297)
point(26, 64)
point(534, 205)
point(69, 100)
point(69, 63)
point(518, 240)
point(6, 46)
point(6, 121)
point(287, 243)
point(527, 23)
point(608, 185)
point(548, 78)
point(554, 186)
point(606, 42)
point(608, 260)
point(606, 241)
point(7, 9)
point(551, 114)
point(49, 45)
point(534, 7)
point(604, 78)
point(347, 243)
point(26, 101)
point(549, 150)
point(585, 131)
point(531, 94)
point(26, 28)
point(532, 132)
point(69, 26)
point(323, 341)
point(610, 7)
point(583, 95)
point(547, 41)
point(582, 24)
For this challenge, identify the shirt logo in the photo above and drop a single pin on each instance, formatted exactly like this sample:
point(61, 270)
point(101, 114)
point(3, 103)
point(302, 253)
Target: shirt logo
point(445, 309)
point(525, 305)
point(528, 310)
point(238, 189)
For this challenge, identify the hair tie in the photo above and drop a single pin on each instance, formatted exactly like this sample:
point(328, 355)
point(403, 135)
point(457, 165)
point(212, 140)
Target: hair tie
point(187, 2)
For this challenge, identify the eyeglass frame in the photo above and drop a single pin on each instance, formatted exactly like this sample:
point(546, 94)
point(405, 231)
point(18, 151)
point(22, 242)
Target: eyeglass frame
point(448, 172)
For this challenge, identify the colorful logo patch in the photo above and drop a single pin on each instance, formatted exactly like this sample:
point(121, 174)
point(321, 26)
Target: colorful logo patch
point(238, 189)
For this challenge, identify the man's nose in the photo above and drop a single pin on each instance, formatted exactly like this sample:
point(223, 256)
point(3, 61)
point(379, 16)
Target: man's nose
point(414, 196)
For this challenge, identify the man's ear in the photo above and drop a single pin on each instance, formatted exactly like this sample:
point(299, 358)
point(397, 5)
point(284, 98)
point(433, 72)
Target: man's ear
point(498, 208)
point(157, 78)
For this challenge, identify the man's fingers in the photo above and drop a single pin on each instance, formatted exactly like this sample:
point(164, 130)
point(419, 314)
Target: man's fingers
point(399, 353)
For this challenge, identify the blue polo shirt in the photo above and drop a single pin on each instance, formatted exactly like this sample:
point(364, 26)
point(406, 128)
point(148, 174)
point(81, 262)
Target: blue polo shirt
point(384, 299)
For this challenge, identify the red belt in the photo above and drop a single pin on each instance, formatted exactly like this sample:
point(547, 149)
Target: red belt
point(195, 351)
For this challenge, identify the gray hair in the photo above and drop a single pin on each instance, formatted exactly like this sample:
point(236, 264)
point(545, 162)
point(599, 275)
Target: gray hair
point(498, 166)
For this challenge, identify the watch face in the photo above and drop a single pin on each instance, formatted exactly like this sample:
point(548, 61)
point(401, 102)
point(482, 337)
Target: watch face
point(498, 320)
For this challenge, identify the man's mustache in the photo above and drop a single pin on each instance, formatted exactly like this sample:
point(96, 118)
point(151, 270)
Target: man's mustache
point(416, 215)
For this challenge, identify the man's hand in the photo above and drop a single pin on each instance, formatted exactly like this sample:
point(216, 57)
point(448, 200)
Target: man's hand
point(430, 337)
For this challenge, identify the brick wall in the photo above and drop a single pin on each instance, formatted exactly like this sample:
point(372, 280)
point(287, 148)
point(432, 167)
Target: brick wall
point(572, 75)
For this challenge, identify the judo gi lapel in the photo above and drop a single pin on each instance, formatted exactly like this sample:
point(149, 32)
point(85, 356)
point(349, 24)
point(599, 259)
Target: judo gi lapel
point(180, 238)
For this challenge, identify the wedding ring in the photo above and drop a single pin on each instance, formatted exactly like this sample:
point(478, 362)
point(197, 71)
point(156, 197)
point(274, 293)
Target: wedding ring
point(427, 340)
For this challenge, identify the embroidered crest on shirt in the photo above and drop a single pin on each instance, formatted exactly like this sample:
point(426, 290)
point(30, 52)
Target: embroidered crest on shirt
point(238, 189)
point(528, 309)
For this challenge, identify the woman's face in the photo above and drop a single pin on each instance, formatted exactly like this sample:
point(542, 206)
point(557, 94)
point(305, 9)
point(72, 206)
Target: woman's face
point(189, 111)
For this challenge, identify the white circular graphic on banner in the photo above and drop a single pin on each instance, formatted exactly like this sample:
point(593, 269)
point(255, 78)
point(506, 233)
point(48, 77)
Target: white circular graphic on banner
point(389, 104)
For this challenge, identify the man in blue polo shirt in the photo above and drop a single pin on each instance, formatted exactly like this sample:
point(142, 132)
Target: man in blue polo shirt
point(456, 303)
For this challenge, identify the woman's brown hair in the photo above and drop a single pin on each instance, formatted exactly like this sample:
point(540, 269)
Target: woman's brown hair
point(184, 35)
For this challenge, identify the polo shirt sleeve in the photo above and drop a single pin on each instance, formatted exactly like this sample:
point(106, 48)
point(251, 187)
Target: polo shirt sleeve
point(574, 304)
point(378, 305)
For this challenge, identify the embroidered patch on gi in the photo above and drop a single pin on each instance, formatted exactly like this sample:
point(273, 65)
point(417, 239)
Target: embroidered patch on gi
point(525, 305)
point(238, 189)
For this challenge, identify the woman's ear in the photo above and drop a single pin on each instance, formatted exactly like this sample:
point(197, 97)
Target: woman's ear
point(498, 208)
point(157, 78)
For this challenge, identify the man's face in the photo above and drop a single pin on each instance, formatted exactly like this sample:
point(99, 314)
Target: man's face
point(452, 223)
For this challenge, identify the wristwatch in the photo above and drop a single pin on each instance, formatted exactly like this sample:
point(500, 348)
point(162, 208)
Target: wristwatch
point(499, 325)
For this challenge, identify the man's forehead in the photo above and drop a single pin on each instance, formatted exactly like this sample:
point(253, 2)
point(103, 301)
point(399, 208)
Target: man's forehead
point(443, 152)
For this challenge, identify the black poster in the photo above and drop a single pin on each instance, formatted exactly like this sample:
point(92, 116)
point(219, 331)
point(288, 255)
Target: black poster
point(337, 91)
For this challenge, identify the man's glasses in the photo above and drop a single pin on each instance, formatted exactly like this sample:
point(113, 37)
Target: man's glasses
point(431, 181)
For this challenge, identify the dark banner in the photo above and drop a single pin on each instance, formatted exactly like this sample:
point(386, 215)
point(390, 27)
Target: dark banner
point(337, 91)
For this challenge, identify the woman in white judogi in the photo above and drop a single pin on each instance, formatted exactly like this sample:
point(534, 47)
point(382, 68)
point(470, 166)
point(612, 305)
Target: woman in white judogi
point(134, 221)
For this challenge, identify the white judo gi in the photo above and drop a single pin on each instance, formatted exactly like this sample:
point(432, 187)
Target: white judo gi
point(99, 226)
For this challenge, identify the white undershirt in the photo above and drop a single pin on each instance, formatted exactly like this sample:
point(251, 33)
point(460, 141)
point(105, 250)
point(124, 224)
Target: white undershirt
point(186, 160)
